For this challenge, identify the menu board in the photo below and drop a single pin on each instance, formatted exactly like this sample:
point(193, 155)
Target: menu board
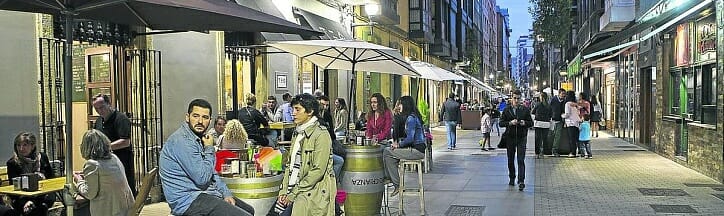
point(79, 74)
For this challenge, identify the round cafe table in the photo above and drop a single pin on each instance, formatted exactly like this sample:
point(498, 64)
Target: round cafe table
point(260, 193)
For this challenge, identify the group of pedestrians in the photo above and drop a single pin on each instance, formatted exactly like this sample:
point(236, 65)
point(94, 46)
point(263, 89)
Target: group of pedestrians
point(574, 114)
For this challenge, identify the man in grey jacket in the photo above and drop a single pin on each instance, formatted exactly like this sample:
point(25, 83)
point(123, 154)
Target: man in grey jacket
point(451, 117)
point(557, 104)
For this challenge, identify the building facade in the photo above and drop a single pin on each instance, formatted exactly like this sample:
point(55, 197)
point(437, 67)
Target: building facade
point(653, 66)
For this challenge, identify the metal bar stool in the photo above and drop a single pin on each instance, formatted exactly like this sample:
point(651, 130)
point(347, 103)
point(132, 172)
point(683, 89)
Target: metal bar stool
point(420, 190)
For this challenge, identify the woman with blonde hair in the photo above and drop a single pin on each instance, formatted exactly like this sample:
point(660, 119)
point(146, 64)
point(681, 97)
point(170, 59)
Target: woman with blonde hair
point(234, 136)
point(103, 181)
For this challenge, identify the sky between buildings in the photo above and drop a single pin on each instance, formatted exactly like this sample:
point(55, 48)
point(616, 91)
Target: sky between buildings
point(520, 20)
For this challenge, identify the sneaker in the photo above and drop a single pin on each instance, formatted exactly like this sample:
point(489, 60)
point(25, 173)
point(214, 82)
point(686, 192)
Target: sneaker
point(521, 186)
point(589, 157)
point(491, 148)
point(484, 149)
point(571, 156)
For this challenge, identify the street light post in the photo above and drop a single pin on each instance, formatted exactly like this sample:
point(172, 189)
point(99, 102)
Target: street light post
point(371, 9)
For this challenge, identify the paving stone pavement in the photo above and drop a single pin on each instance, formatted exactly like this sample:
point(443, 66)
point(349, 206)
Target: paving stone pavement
point(468, 181)
point(613, 181)
point(609, 184)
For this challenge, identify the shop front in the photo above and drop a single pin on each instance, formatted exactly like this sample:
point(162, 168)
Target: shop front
point(691, 114)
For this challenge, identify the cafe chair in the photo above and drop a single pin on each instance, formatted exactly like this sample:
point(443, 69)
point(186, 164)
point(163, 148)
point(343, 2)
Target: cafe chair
point(143, 192)
point(420, 189)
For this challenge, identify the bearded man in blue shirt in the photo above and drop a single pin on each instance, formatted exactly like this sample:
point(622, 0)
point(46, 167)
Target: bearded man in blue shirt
point(190, 183)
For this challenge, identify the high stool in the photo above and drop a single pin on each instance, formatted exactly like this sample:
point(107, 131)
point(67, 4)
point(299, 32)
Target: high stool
point(427, 160)
point(403, 189)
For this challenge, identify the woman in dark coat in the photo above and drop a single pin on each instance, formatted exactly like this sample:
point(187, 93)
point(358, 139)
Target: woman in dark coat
point(28, 160)
point(543, 115)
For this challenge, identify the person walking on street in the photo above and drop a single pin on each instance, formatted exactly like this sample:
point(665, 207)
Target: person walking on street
point(541, 124)
point(485, 128)
point(596, 115)
point(557, 103)
point(572, 120)
point(495, 120)
point(516, 119)
point(451, 115)
point(117, 127)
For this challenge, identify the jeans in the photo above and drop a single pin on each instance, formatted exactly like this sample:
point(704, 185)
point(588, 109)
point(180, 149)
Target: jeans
point(272, 137)
point(572, 139)
point(451, 133)
point(495, 122)
point(210, 205)
point(516, 145)
point(556, 133)
point(584, 146)
point(337, 164)
point(541, 134)
point(391, 158)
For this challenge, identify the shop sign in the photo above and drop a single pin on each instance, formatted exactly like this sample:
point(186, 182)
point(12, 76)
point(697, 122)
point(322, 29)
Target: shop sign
point(567, 86)
point(660, 8)
point(681, 45)
point(575, 66)
point(706, 39)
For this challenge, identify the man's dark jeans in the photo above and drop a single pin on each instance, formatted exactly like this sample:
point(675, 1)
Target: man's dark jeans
point(516, 144)
point(541, 134)
point(206, 204)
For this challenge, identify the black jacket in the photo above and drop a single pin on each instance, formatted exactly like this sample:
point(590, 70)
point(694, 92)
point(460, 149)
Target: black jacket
point(557, 108)
point(542, 112)
point(42, 203)
point(251, 119)
point(451, 111)
point(522, 114)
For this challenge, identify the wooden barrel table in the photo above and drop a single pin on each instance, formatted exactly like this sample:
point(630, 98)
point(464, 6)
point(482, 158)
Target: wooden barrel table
point(362, 179)
point(260, 193)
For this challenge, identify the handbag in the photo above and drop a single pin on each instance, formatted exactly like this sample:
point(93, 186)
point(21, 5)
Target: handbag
point(541, 124)
point(503, 140)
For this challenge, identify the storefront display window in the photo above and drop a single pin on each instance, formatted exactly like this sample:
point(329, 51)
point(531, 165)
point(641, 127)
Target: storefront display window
point(692, 87)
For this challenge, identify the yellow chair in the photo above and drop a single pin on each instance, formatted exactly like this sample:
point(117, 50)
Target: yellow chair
point(143, 192)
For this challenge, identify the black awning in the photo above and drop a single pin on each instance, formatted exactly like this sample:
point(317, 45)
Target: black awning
point(268, 7)
point(332, 30)
point(633, 29)
point(196, 15)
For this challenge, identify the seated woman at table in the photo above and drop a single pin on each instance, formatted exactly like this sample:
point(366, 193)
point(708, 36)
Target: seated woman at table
point(309, 187)
point(234, 136)
point(103, 181)
point(27, 159)
point(252, 119)
point(410, 147)
point(379, 119)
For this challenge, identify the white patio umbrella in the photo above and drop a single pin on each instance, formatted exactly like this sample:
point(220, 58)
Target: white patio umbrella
point(349, 55)
point(435, 73)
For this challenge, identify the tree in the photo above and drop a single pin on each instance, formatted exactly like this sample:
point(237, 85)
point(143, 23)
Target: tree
point(551, 20)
